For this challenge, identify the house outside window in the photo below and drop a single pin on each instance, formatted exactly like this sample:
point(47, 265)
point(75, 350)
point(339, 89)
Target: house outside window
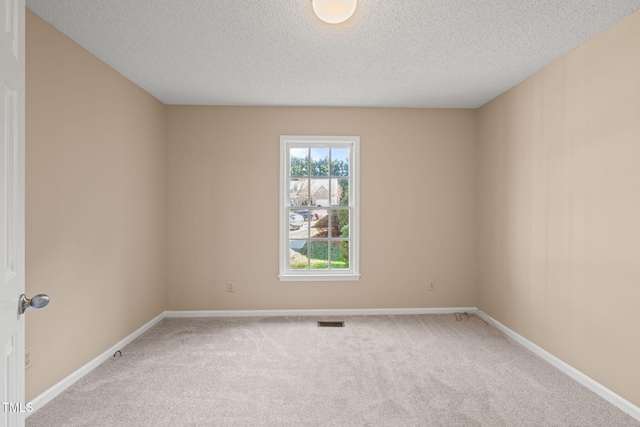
point(319, 208)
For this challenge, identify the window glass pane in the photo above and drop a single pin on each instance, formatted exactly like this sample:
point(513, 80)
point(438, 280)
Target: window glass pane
point(310, 215)
point(297, 226)
point(339, 223)
point(319, 162)
point(319, 192)
point(340, 192)
point(298, 161)
point(339, 255)
point(297, 255)
point(320, 228)
point(319, 254)
point(340, 161)
point(296, 222)
point(298, 192)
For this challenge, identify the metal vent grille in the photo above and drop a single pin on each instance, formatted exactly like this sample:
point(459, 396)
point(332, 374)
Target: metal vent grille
point(324, 324)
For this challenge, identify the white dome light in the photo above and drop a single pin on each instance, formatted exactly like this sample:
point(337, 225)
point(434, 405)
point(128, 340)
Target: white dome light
point(334, 11)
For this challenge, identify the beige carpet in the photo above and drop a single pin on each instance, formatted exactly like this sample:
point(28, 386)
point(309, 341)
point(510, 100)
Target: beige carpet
point(408, 370)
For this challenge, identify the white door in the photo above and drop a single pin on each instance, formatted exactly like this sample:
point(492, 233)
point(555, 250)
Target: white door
point(12, 405)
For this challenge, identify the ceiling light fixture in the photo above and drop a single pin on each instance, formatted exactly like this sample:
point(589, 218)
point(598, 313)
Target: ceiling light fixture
point(334, 11)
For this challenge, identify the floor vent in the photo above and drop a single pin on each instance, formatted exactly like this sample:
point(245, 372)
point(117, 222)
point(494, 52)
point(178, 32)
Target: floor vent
point(322, 324)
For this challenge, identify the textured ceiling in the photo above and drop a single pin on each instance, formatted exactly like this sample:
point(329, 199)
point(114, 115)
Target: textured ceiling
point(404, 53)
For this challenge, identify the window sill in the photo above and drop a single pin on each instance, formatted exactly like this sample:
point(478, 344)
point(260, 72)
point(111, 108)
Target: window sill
point(318, 277)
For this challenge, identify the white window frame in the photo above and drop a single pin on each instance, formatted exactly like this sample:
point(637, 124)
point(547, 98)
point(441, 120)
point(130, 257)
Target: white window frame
point(353, 272)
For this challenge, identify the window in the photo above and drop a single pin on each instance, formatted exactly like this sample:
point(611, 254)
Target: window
point(319, 208)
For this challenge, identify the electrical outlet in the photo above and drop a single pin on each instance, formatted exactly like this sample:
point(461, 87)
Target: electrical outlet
point(28, 357)
point(432, 285)
point(231, 286)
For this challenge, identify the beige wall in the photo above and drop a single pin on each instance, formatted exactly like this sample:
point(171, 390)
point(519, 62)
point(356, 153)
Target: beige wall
point(560, 208)
point(418, 207)
point(95, 220)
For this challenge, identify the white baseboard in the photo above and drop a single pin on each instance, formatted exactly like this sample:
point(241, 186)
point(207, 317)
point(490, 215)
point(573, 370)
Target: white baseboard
point(51, 393)
point(567, 369)
point(319, 312)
